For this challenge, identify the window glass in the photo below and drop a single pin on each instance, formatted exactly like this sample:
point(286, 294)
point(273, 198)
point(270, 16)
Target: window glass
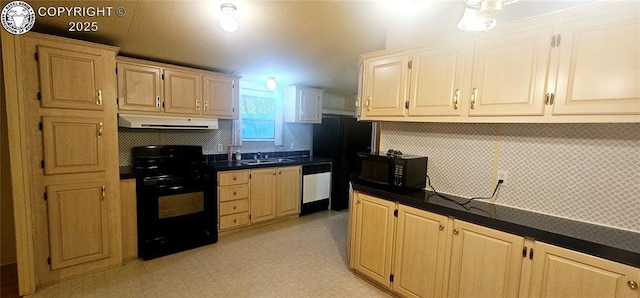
point(259, 114)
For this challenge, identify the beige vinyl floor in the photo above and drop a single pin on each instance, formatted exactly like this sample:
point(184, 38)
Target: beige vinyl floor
point(303, 257)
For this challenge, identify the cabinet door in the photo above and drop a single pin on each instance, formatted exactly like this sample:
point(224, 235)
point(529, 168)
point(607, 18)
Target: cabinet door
point(263, 194)
point(484, 262)
point(78, 223)
point(220, 97)
point(129, 218)
point(139, 87)
point(375, 226)
point(509, 74)
point(386, 81)
point(182, 92)
point(559, 272)
point(436, 81)
point(73, 144)
point(419, 253)
point(70, 79)
point(310, 105)
point(598, 66)
point(289, 191)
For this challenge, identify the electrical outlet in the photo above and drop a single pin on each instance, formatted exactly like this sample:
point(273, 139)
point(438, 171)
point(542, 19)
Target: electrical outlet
point(220, 148)
point(502, 175)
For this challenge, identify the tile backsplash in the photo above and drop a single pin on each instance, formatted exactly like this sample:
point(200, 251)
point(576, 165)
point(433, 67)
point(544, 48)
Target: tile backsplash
point(300, 135)
point(587, 172)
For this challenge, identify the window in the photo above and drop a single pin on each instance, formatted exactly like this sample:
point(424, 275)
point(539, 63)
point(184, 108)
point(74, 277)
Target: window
point(261, 114)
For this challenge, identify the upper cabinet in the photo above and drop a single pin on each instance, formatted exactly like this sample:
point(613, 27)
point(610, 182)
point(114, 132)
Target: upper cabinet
point(509, 74)
point(182, 92)
point(302, 104)
point(71, 79)
point(139, 87)
point(599, 66)
point(386, 85)
point(436, 80)
point(579, 65)
point(150, 87)
point(220, 96)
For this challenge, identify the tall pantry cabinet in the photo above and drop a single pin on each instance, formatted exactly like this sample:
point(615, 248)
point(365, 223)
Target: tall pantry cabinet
point(69, 97)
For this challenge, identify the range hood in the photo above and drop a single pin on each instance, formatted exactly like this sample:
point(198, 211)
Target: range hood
point(165, 122)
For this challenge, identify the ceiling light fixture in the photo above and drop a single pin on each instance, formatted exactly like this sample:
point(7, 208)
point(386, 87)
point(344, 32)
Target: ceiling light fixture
point(476, 18)
point(228, 20)
point(271, 83)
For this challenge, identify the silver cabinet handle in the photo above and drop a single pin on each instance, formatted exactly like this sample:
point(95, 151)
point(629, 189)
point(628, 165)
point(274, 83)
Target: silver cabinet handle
point(99, 99)
point(104, 192)
point(158, 102)
point(197, 105)
point(456, 99)
point(206, 105)
point(368, 103)
point(100, 126)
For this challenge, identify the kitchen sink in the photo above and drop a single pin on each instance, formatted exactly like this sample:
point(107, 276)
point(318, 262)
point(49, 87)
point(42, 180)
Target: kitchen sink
point(268, 161)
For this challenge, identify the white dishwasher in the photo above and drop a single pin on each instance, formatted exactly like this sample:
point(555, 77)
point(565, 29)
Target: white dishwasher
point(316, 188)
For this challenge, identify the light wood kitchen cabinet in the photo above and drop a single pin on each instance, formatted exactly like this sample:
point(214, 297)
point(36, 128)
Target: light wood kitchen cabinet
point(578, 65)
point(598, 66)
point(385, 84)
point(73, 144)
point(220, 97)
point(129, 218)
point(484, 262)
point(78, 223)
point(83, 83)
point(302, 104)
point(182, 92)
point(233, 199)
point(509, 73)
point(263, 194)
point(436, 81)
point(420, 247)
point(288, 191)
point(139, 87)
point(157, 88)
point(559, 272)
point(73, 154)
point(375, 225)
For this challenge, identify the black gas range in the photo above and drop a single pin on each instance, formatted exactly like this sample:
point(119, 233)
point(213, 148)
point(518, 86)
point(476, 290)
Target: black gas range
point(175, 200)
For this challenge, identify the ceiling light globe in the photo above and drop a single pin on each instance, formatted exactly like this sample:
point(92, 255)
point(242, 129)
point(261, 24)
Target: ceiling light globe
point(228, 20)
point(271, 83)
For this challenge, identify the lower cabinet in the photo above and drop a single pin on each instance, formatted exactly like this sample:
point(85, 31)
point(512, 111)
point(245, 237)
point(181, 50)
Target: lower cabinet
point(559, 272)
point(415, 243)
point(288, 190)
point(252, 196)
point(263, 194)
point(484, 262)
point(129, 218)
point(78, 223)
point(415, 253)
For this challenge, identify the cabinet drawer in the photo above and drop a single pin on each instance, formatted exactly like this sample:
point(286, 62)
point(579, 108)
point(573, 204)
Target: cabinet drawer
point(232, 207)
point(234, 220)
point(233, 193)
point(233, 178)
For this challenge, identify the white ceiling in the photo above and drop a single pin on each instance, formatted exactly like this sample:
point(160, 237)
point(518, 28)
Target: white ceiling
point(309, 43)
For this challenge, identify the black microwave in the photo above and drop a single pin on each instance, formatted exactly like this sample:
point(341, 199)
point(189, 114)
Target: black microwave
point(398, 173)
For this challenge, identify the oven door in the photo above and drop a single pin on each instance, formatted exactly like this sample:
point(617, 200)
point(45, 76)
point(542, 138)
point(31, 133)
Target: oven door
point(175, 218)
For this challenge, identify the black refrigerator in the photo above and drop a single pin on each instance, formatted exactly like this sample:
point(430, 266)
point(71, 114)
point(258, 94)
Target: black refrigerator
point(340, 138)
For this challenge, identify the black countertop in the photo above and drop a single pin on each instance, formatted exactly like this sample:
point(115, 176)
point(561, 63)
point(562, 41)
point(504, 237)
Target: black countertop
point(126, 172)
point(609, 243)
point(237, 165)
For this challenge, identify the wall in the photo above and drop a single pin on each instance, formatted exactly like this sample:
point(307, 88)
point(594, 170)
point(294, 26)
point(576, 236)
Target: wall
point(300, 135)
point(7, 227)
point(588, 172)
